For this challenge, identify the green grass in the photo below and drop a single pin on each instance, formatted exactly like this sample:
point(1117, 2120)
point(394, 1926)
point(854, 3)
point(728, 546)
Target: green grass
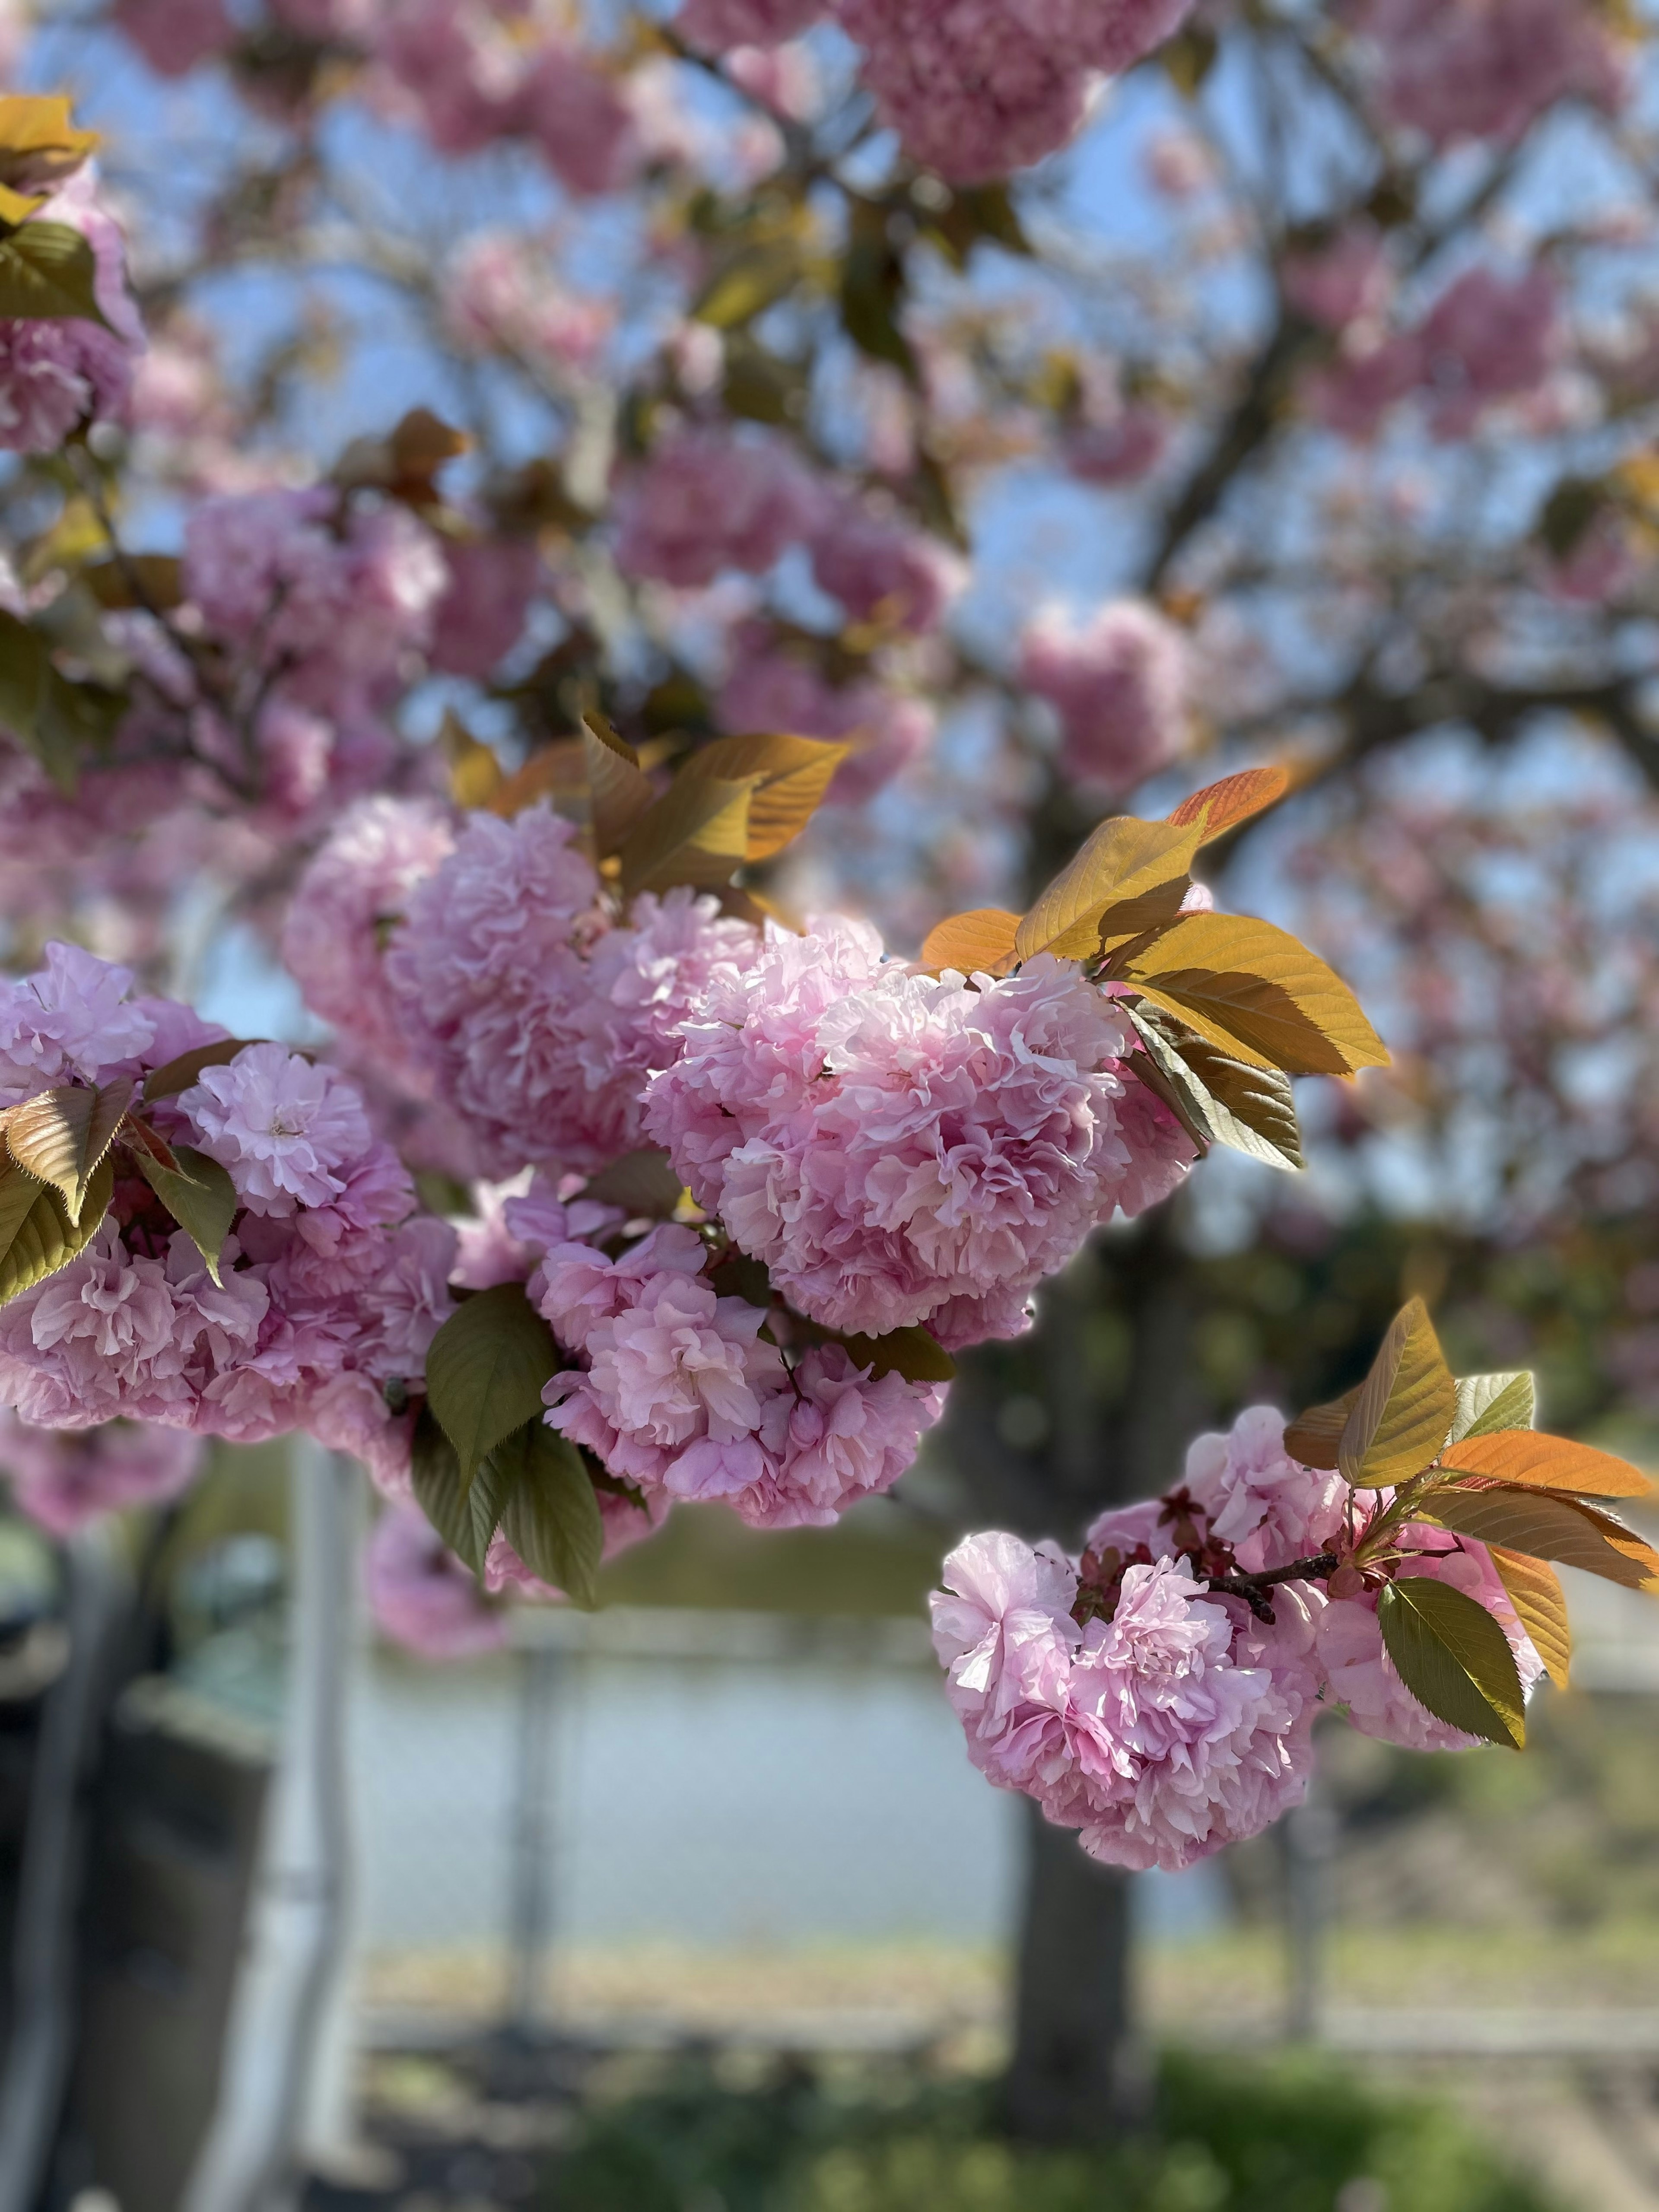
point(1293, 2135)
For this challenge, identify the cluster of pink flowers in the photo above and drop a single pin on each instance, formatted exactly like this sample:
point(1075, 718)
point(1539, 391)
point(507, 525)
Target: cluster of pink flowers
point(419, 1594)
point(1168, 1721)
point(1122, 684)
point(61, 375)
point(307, 615)
point(331, 1287)
point(533, 1015)
point(974, 87)
point(708, 499)
point(774, 686)
point(898, 1147)
point(1486, 339)
point(680, 1395)
point(64, 1480)
point(1486, 69)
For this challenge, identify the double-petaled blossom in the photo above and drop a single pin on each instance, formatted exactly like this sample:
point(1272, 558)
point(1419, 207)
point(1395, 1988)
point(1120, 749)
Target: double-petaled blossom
point(683, 1393)
point(1161, 1734)
point(537, 1019)
point(771, 686)
point(710, 500)
point(331, 1285)
point(1486, 69)
point(889, 1143)
point(1159, 1717)
point(419, 1594)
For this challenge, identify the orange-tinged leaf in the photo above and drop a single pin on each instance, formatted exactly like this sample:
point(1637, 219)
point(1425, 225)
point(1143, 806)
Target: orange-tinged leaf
point(1400, 1419)
point(1124, 859)
point(1314, 1437)
point(554, 772)
point(1534, 1591)
point(1546, 1525)
point(696, 833)
point(61, 1135)
point(38, 144)
point(791, 775)
point(620, 796)
point(1222, 806)
point(475, 772)
point(1256, 991)
point(1537, 1461)
point(983, 939)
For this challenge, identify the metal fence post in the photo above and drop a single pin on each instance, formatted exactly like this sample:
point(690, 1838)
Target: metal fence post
point(1310, 1840)
point(530, 1901)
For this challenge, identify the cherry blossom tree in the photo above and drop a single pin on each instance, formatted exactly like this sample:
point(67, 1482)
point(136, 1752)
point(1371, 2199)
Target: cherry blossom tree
point(539, 522)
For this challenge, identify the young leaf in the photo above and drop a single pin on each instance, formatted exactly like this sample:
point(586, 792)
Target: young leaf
point(1222, 806)
point(1543, 1527)
point(1257, 993)
point(1250, 1109)
point(911, 1352)
point(549, 1512)
point(1540, 1606)
point(484, 1371)
point(1546, 1462)
point(176, 1075)
point(641, 1182)
point(1454, 1658)
point(793, 775)
point(37, 143)
point(696, 833)
point(48, 273)
point(37, 1237)
point(61, 1136)
point(1489, 1402)
point(1123, 859)
point(1399, 1421)
point(1129, 926)
point(619, 794)
point(1314, 1438)
point(198, 1194)
point(971, 943)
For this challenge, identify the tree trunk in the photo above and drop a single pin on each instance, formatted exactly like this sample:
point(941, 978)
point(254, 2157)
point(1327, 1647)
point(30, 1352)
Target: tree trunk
point(1078, 2070)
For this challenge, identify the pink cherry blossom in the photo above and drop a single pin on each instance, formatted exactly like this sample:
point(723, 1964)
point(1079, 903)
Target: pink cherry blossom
point(350, 897)
point(282, 1126)
point(710, 500)
point(1267, 1506)
point(174, 35)
point(882, 573)
point(1486, 339)
point(770, 687)
point(73, 1017)
point(713, 26)
point(419, 1594)
point(580, 120)
point(58, 374)
point(1122, 684)
point(886, 1141)
point(63, 1481)
point(1486, 68)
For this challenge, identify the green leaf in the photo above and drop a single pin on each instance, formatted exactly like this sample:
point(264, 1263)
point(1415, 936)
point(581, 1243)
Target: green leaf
point(549, 1512)
point(198, 1194)
point(642, 1183)
point(872, 287)
point(1400, 1419)
point(465, 1515)
point(1486, 1403)
point(1250, 1109)
point(1454, 1658)
point(48, 272)
point(61, 1135)
point(176, 1075)
point(36, 1235)
point(750, 283)
point(486, 1369)
point(1124, 859)
point(55, 720)
point(911, 1352)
